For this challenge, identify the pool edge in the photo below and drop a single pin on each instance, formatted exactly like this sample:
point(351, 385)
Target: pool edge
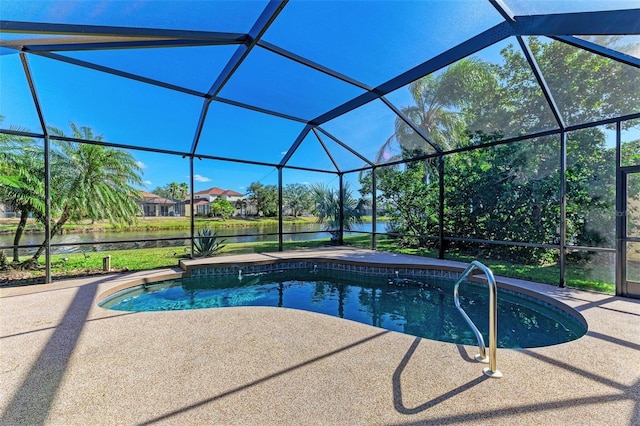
point(453, 268)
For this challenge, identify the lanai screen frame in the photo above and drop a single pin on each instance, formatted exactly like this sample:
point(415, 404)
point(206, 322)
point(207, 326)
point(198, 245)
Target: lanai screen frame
point(559, 27)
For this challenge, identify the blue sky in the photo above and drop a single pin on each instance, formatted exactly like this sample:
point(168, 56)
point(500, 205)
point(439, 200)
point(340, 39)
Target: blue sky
point(130, 112)
point(339, 35)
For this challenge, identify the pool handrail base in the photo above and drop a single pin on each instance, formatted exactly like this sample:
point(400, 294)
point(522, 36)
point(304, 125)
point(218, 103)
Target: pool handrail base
point(492, 371)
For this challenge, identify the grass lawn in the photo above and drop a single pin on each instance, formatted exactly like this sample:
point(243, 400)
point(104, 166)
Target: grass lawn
point(163, 223)
point(155, 223)
point(79, 264)
point(585, 277)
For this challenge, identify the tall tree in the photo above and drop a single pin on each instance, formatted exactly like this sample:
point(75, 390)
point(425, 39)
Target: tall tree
point(221, 207)
point(183, 191)
point(22, 182)
point(438, 101)
point(298, 198)
point(265, 198)
point(511, 192)
point(410, 202)
point(174, 190)
point(441, 110)
point(587, 87)
point(327, 208)
point(92, 181)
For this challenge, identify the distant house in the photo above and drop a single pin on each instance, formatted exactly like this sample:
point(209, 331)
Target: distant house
point(7, 212)
point(213, 193)
point(202, 199)
point(202, 207)
point(154, 205)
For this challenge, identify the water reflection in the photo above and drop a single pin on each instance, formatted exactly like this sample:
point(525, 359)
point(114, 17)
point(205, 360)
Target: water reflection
point(135, 239)
point(420, 308)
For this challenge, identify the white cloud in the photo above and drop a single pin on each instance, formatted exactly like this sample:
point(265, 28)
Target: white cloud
point(199, 178)
point(147, 182)
point(141, 164)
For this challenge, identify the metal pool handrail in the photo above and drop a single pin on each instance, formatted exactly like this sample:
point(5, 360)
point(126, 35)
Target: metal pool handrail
point(492, 371)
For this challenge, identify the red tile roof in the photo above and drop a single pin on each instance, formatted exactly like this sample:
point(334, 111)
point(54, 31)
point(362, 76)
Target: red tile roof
point(219, 191)
point(149, 198)
point(198, 201)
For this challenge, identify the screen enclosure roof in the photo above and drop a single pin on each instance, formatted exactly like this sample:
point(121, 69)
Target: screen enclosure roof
point(319, 85)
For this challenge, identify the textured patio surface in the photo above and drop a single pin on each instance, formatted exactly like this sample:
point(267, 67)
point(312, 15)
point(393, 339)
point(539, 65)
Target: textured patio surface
point(66, 361)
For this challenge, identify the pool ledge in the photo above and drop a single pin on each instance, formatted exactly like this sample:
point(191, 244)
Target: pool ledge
point(364, 258)
point(162, 275)
point(343, 255)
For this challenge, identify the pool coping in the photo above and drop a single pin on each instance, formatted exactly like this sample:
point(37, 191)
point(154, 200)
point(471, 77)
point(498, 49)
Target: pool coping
point(222, 266)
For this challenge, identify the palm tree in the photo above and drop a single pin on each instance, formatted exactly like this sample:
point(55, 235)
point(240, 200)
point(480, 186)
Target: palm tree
point(24, 192)
point(441, 110)
point(241, 206)
point(91, 181)
point(177, 191)
point(437, 110)
point(172, 190)
point(183, 190)
point(327, 208)
point(22, 181)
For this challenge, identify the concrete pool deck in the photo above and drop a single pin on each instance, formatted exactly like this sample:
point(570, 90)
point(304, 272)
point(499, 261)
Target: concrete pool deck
point(66, 361)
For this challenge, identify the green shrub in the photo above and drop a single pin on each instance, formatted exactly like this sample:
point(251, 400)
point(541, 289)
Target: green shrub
point(205, 243)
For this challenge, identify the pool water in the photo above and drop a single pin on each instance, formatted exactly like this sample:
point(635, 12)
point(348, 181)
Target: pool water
point(421, 308)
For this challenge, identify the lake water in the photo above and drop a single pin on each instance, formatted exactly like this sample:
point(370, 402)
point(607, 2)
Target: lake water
point(73, 242)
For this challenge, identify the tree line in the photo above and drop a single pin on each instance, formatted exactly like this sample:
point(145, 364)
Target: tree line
point(510, 192)
point(87, 181)
point(318, 199)
point(96, 182)
point(297, 199)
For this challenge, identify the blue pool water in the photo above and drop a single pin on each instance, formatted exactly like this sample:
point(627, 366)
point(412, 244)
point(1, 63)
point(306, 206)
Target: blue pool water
point(422, 308)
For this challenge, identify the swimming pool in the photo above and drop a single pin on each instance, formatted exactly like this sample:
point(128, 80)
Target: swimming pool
point(421, 307)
